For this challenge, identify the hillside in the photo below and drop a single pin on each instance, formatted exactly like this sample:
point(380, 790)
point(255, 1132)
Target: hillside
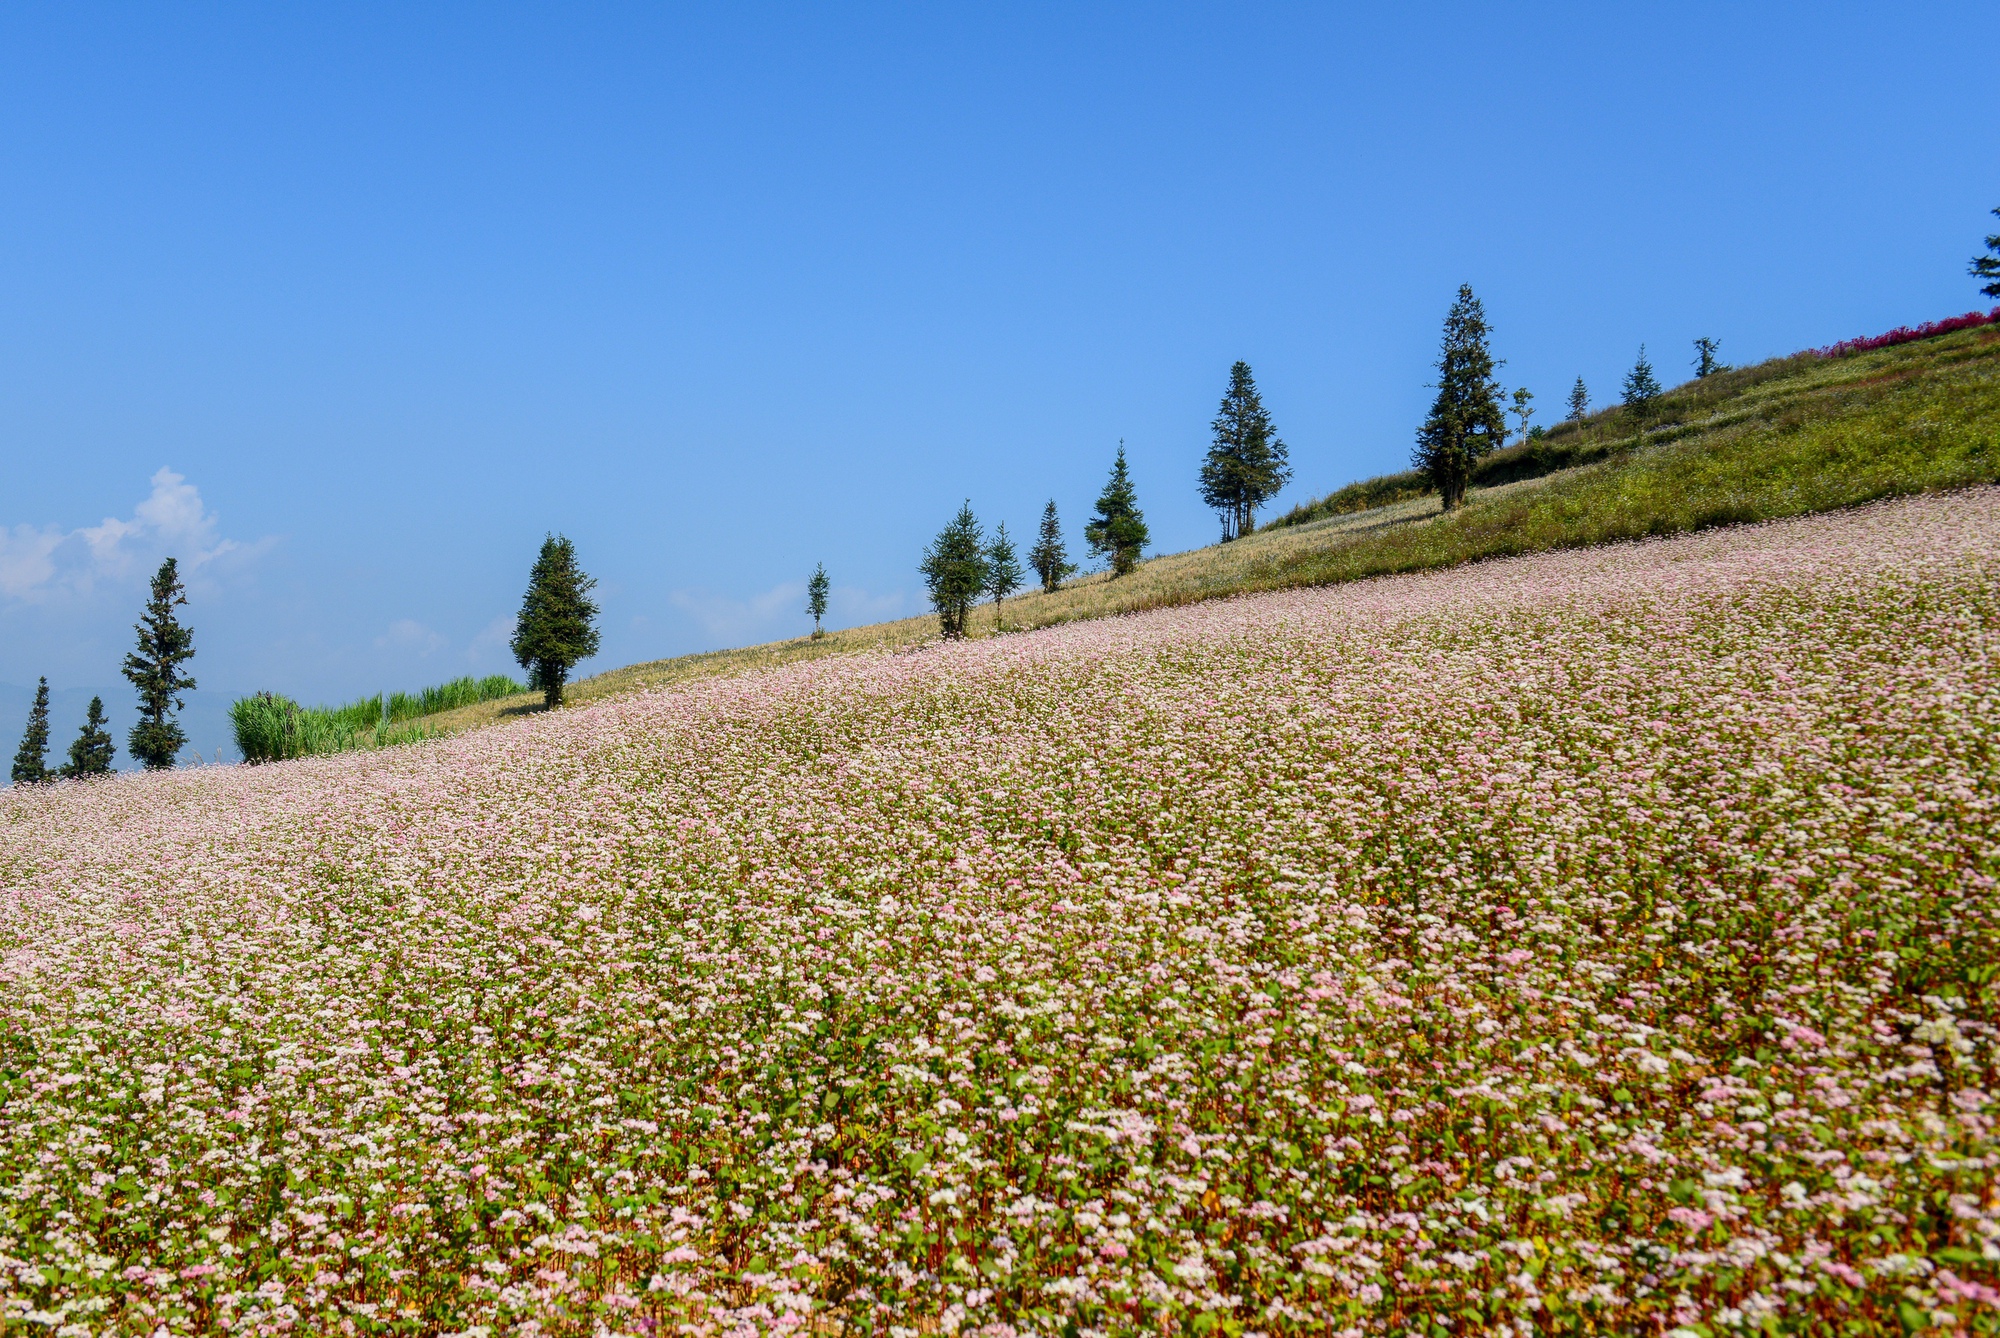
point(1786, 437)
point(1589, 941)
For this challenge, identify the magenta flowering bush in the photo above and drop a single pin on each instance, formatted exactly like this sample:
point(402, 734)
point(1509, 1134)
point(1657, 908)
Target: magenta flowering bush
point(1907, 334)
point(1603, 939)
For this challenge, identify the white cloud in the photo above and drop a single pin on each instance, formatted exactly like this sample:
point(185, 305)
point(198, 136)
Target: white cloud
point(47, 564)
point(497, 635)
point(409, 634)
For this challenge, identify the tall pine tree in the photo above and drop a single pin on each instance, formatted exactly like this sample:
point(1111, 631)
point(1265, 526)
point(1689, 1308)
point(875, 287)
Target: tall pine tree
point(1705, 362)
point(954, 571)
point(1049, 557)
point(90, 754)
point(1641, 388)
point(1003, 569)
point(557, 628)
point(1465, 422)
point(155, 670)
point(816, 591)
point(1579, 402)
point(1247, 464)
point(1119, 531)
point(1988, 265)
point(31, 759)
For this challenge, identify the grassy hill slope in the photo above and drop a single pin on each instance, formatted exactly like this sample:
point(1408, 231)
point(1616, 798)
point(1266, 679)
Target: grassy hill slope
point(1785, 437)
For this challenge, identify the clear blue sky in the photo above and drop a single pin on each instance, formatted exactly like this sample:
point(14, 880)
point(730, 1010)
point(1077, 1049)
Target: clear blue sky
point(721, 292)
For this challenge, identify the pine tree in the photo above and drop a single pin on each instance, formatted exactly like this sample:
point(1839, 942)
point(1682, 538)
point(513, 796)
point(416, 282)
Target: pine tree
point(1465, 422)
point(1641, 387)
point(155, 670)
point(954, 570)
point(1988, 266)
point(31, 760)
point(816, 590)
point(1523, 408)
point(1579, 401)
point(90, 754)
point(1119, 532)
point(1705, 361)
point(1003, 569)
point(1247, 464)
point(558, 623)
point(1049, 557)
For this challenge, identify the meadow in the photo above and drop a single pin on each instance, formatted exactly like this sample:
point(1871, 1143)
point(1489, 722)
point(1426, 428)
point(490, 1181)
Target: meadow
point(1593, 940)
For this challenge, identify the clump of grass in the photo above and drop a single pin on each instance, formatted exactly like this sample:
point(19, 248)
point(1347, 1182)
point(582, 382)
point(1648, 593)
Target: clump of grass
point(270, 728)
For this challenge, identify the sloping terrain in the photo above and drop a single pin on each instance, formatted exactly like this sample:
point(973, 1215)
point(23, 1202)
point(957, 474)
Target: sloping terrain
point(1601, 939)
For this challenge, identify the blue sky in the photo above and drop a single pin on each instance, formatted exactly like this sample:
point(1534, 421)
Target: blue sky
point(347, 307)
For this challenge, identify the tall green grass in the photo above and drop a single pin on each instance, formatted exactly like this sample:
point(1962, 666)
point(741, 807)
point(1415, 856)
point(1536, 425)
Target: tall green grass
point(270, 728)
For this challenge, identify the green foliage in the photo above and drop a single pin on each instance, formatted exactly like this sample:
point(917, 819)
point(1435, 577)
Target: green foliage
point(91, 752)
point(1579, 402)
point(31, 759)
point(1119, 529)
point(1705, 362)
point(1988, 266)
point(954, 569)
point(1641, 387)
point(816, 592)
point(1049, 558)
point(1465, 422)
point(271, 728)
point(1524, 408)
point(1247, 464)
point(155, 670)
point(557, 627)
point(1003, 569)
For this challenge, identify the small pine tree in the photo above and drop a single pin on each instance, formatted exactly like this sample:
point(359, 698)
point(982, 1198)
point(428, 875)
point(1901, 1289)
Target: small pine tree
point(1119, 532)
point(1705, 361)
point(1003, 569)
point(1579, 401)
point(31, 759)
point(558, 624)
point(1247, 464)
point(954, 571)
point(90, 754)
point(1641, 387)
point(1049, 557)
point(1465, 422)
point(155, 670)
point(1523, 408)
point(1988, 266)
point(816, 590)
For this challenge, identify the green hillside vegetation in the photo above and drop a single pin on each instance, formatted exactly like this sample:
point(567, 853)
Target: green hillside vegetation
point(271, 728)
point(1783, 438)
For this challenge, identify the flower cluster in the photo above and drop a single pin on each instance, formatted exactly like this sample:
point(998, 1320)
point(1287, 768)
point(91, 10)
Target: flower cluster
point(1908, 334)
point(1604, 939)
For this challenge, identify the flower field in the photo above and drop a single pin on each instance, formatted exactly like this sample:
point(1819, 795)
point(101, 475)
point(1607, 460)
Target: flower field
point(1603, 940)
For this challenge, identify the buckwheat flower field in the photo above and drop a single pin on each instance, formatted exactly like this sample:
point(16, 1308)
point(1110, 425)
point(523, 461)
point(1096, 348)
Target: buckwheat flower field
point(1593, 941)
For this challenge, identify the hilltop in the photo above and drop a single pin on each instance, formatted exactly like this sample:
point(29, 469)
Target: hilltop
point(1785, 437)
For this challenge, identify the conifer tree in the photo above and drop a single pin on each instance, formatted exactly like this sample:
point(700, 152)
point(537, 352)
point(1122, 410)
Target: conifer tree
point(1641, 387)
point(1003, 569)
point(1049, 557)
point(155, 670)
point(1524, 408)
point(816, 590)
point(954, 571)
point(1119, 531)
point(31, 759)
point(1579, 401)
point(1247, 464)
point(90, 754)
point(1988, 266)
point(1705, 361)
point(1465, 422)
point(558, 624)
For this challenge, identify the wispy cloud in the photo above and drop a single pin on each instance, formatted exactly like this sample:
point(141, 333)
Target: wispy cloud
point(409, 634)
point(48, 564)
point(782, 609)
point(496, 636)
